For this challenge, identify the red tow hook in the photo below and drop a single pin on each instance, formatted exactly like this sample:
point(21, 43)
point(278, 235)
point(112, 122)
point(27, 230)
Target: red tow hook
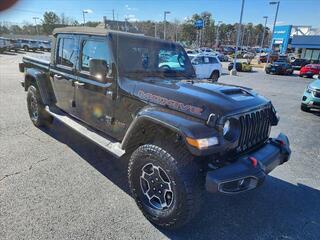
point(253, 161)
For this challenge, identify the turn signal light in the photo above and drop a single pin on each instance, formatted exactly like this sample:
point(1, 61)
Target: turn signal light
point(202, 143)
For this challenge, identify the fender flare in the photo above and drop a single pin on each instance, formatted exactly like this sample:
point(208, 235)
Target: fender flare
point(43, 82)
point(182, 124)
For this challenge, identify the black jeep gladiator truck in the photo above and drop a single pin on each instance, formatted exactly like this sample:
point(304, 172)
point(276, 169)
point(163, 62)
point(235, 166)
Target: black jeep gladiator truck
point(181, 135)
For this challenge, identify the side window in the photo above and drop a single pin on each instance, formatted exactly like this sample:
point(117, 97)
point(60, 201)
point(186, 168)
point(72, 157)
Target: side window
point(213, 60)
point(198, 60)
point(94, 49)
point(66, 52)
point(206, 60)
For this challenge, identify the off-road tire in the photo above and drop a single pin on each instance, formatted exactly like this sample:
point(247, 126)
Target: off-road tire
point(187, 183)
point(36, 108)
point(214, 76)
point(304, 108)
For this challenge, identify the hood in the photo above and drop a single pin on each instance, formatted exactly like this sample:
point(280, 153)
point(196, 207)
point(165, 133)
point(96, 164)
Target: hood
point(315, 84)
point(200, 99)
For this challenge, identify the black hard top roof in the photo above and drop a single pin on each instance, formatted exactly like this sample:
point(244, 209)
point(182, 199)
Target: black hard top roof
point(103, 32)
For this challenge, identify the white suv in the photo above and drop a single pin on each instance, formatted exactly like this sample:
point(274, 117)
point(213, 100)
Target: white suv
point(206, 66)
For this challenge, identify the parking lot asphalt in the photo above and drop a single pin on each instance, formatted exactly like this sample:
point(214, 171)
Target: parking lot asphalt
point(55, 184)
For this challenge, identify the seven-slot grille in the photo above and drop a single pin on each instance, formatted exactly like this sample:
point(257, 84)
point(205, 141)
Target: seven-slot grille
point(255, 128)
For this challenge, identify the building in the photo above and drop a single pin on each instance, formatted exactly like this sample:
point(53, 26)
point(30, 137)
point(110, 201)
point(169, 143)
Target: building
point(303, 40)
point(307, 47)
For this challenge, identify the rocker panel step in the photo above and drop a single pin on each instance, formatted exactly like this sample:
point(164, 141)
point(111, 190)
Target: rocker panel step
point(111, 146)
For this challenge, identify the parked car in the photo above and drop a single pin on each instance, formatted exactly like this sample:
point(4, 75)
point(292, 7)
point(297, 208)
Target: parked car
point(206, 66)
point(3, 45)
point(241, 67)
point(28, 45)
point(181, 135)
point(248, 55)
point(298, 63)
point(280, 68)
point(273, 57)
point(310, 70)
point(311, 96)
point(45, 46)
point(223, 58)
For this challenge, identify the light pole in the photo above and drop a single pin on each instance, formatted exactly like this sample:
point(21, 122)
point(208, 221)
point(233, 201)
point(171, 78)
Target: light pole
point(217, 38)
point(234, 71)
point(264, 31)
point(35, 22)
point(165, 23)
point(84, 18)
point(274, 24)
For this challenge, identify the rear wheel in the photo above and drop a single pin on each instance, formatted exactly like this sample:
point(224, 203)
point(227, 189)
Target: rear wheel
point(166, 184)
point(214, 76)
point(26, 48)
point(36, 108)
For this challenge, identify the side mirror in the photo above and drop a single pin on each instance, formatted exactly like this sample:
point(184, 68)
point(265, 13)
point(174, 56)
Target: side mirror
point(98, 68)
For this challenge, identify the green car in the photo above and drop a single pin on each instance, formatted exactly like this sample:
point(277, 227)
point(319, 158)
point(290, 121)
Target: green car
point(311, 96)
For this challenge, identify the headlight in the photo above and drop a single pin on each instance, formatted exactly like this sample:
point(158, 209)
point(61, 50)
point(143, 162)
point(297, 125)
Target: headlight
point(226, 127)
point(309, 89)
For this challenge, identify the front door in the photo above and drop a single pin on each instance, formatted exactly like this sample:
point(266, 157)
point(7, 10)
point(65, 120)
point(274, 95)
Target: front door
point(63, 72)
point(93, 94)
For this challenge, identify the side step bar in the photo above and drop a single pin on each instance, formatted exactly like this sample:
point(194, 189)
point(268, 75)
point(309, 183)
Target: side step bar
point(111, 146)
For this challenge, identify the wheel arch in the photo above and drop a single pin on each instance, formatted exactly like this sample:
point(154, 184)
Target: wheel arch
point(42, 82)
point(156, 122)
point(215, 71)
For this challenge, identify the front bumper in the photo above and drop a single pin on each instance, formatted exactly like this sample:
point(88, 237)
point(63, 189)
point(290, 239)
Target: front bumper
point(249, 171)
point(310, 101)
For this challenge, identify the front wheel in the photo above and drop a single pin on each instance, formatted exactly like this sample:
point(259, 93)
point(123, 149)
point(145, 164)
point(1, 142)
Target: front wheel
point(36, 109)
point(166, 185)
point(304, 108)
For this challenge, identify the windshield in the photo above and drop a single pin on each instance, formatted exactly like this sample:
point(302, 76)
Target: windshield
point(152, 58)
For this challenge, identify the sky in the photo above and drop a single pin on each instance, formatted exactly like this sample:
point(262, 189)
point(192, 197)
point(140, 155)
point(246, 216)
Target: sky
point(291, 12)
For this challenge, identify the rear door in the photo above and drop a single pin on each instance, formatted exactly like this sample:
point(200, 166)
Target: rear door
point(63, 71)
point(94, 96)
point(199, 66)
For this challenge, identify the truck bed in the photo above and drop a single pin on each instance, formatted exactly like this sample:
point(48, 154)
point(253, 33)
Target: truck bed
point(39, 61)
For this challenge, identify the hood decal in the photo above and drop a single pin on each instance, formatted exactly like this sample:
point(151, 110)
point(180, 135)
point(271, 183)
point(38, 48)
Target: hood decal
point(169, 102)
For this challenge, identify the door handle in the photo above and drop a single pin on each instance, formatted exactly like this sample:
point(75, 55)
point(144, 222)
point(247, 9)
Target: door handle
point(57, 76)
point(79, 83)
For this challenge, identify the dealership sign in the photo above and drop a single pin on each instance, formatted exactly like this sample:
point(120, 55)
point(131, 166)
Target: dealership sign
point(199, 24)
point(281, 37)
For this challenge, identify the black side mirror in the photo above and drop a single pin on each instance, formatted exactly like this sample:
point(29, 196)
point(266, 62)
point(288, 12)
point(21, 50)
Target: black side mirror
point(98, 68)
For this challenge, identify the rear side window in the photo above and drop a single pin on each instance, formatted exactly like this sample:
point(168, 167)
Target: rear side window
point(67, 52)
point(213, 60)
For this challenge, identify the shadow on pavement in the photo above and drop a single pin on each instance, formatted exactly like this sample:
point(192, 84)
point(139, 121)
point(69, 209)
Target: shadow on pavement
point(276, 210)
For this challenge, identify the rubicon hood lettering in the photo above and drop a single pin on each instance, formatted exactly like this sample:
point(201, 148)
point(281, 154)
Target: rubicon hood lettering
point(169, 102)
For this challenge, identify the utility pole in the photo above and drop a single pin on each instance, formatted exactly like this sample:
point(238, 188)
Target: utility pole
point(165, 23)
point(84, 18)
point(234, 71)
point(218, 33)
point(262, 40)
point(35, 22)
point(274, 24)
point(155, 29)
point(125, 24)
point(113, 14)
